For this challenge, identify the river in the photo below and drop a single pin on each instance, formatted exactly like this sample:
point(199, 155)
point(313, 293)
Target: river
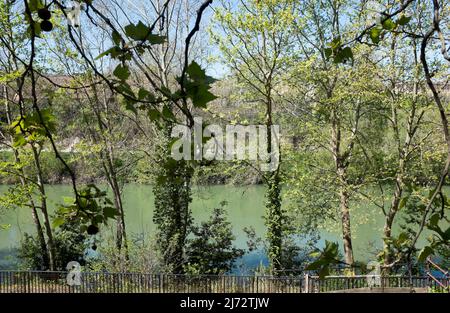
point(245, 208)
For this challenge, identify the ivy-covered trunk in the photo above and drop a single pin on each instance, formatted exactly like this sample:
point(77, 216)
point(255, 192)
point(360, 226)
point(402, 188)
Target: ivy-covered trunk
point(172, 215)
point(274, 213)
point(274, 221)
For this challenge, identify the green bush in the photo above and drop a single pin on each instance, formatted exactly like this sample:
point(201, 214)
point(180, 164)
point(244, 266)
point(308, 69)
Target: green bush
point(70, 244)
point(211, 249)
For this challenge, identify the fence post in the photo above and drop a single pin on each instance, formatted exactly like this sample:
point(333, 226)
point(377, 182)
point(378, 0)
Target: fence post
point(306, 283)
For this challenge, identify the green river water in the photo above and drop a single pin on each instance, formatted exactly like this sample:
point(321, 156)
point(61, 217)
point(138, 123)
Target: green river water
point(245, 208)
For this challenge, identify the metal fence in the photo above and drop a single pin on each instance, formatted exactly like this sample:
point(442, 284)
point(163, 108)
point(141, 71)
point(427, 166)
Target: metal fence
point(340, 283)
point(104, 282)
point(101, 282)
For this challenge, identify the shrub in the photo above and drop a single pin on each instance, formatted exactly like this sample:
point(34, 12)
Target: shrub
point(70, 245)
point(211, 249)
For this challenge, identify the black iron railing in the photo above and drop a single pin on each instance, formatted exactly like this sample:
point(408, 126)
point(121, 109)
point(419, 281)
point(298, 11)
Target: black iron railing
point(341, 283)
point(102, 282)
point(105, 282)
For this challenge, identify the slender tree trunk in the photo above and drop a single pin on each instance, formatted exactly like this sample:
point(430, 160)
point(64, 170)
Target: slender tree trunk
point(36, 221)
point(121, 237)
point(399, 184)
point(345, 218)
point(274, 213)
point(44, 210)
point(34, 214)
point(341, 171)
point(403, 150)
point(390, 216)
point(121, 230)
point(108, 162)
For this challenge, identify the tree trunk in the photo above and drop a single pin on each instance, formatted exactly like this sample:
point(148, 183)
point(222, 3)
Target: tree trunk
point(274, 221)
point(34, 214)
point(44, 210)
point(121, 231)
point(121, 236)
point(389, 220)
point(172, 215)
point(341, 164)
point(345, 219)
point(274, 213)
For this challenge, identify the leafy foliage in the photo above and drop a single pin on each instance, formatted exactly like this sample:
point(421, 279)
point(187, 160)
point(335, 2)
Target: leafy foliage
point(69, 242)
point(211, 249)
point(91, 208)
point(326, 257)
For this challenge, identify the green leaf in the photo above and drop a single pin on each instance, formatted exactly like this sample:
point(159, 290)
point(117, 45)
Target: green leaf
point(143, 93)
point(167, 113)
point(424, 253)
point(331, 249)
point(434, 220)
point(403, 20)
point(335, 43)
point(122, 72)
point(124, 88)
point(155, 39)
point(142, 32)
point(315, 265)
point(98, 219)
point(19, 141)
point(116, 38)
point(110, 212)
point(389, 24)
point(68, 200)
point(114, 52)
point(35, 5)
point(343, 55)
point(324, 271)
point(202, 97)
point(58, 221)
point(375, 34)
point(446, 235)
point(138, 31)
point(328, 52)
point(129, 105)
point(154, 114)
point(5, 226)
point(403, 202)
point(402, 237)
point(195, 72)
point(347, 53)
